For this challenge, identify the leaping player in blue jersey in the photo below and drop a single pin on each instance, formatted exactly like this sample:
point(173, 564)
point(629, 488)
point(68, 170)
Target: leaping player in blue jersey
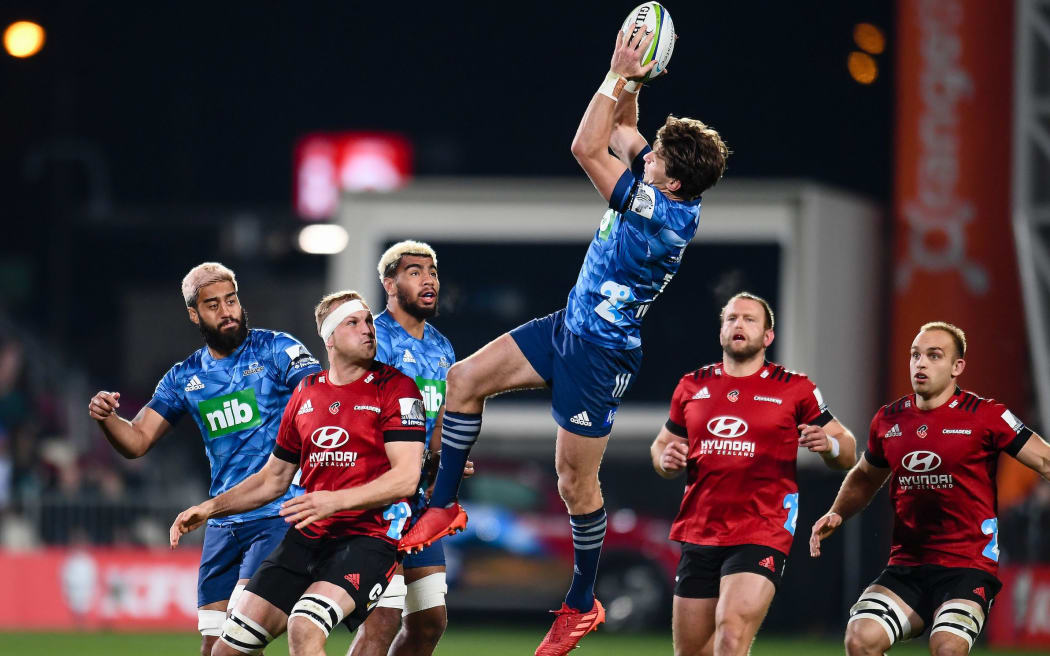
point(405, 340)
point(235, 388)
point(589, 352)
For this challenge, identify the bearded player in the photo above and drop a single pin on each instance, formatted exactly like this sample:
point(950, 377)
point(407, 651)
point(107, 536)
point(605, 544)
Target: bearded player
point(589, 353)
point(939, 447)
point(735, 428)
point(356, 431)
point(408, 342)
point(235, 389)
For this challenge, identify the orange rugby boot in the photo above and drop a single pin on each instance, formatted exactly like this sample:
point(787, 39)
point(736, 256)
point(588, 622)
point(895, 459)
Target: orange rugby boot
point(569, 626)
point(433, 524)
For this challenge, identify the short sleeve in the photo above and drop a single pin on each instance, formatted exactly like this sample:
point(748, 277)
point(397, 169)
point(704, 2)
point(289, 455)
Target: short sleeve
point(676, 415)
point(811, 408)
point(875, 454)
point(289, 444)
point(403, 417)
point(167, 400)
point(292, 360)
point(638, 165)
point(623, 191)
point(1007, 432)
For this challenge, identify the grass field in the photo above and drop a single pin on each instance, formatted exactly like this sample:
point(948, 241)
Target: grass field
point(469, 641)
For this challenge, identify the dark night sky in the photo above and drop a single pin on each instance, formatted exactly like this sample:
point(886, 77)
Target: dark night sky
point(201, 102)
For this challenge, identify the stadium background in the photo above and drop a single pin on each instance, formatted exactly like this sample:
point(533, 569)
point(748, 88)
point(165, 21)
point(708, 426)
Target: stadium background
point(143, 139)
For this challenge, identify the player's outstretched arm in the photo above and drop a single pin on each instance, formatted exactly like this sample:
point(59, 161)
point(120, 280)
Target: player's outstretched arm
point(626, 141)
point(131, 439)
point(397, 483)
point(669, 453)
point(833, 441)
point(260, 488)
point(590, 147)
point(856, 492)
point(1036, 455)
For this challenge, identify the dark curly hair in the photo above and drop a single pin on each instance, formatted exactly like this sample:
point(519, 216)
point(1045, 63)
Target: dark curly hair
point(693, 153)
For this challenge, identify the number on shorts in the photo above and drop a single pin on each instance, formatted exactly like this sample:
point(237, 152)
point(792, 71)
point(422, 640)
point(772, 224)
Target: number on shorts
point(791, 503)
point(991, 527)
point(398, 515)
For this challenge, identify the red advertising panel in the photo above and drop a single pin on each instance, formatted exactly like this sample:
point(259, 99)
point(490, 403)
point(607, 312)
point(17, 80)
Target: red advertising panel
point(953, 252)
point(112, 589)
point(1021, 615)
point(327, 164)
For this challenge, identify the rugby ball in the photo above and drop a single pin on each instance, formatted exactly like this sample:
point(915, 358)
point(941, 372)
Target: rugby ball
point(653, 16)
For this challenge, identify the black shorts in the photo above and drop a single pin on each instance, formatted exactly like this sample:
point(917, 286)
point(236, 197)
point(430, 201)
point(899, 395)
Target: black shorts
point(359, 564)
point(926, 587)
point(701, 568)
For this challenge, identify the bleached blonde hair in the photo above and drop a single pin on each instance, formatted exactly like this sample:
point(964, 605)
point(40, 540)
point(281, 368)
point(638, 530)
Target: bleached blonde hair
point(331, 302)
point(956, 333)
point(202, 275)
point(392, 257)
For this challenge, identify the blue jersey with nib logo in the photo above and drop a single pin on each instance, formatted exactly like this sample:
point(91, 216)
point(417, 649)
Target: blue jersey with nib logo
point(424, 360)
point(635, 252)
point(237, 403)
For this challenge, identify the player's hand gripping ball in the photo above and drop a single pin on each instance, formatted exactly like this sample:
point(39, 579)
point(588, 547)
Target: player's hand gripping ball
point(652, 17)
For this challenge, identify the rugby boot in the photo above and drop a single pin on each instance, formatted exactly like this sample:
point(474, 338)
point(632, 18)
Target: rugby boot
point(569, 626)
point(432, 525)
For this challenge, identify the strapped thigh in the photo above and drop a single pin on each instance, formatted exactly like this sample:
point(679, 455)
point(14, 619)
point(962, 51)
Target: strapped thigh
point(959, 619)
point(427, 592)
point(244, 634)
point(884, 610)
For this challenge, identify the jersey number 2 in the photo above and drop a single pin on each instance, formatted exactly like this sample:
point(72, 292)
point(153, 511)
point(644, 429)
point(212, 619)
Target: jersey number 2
point(791, 503)
point(991, 527)
point(398, 515)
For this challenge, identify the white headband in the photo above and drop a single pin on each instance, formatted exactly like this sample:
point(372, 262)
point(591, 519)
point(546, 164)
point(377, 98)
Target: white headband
point(338, 315)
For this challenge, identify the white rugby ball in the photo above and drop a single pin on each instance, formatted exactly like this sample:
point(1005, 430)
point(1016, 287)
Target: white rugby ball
point(653, 16)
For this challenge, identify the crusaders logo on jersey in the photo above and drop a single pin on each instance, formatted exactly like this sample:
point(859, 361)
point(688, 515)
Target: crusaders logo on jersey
point(334, 408)
point(733, 396)
point(921, 431)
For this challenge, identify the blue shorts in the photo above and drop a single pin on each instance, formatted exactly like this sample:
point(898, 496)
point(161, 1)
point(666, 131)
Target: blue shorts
point(432, 556)
point(587, 380)
point(233, 551)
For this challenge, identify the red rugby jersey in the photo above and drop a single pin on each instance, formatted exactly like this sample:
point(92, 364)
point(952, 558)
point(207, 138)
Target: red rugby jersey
point(743, 444)
point(942, 483)
point(336, 434)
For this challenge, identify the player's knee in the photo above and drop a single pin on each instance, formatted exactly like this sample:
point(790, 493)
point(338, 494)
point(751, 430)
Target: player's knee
point(945, 648)
point(305, 638)
point(864, 639)
point(426, 627)
point(207, 643)
point(729, 635)
point(461, 382)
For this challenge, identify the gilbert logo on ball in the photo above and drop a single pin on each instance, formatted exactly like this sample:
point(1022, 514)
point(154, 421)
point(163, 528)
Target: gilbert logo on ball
point(652, 16)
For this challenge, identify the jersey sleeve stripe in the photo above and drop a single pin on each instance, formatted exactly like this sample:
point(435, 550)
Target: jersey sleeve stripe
point(881, 463)
point(622, 191)
point(823, 419)
point(404, 436)
point(1015, 445)
point(677, 429)
point(285, 454)
point(170, 415)
point(638, 165)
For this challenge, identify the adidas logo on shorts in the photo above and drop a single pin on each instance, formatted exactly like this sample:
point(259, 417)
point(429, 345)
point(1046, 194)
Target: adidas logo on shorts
point(893, 432)
point(354, 580)
point(194, 384)
point(768, 563)
point(581, 419)
point(306, 407)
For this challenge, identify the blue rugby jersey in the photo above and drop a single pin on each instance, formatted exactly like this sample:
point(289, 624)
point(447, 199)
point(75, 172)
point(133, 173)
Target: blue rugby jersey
point(635, 252)
point(237, 403)
point(425, 361)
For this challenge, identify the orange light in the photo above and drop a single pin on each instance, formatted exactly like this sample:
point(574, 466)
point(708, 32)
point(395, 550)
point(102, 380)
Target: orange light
point(23, 39)
point(869, 38)
point(862, 67)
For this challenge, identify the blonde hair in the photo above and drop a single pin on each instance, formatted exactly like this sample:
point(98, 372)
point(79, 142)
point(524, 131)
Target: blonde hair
point(202, 275)
point(390, 260)
point(751, 297)
point(958, 336)
point(331, 302)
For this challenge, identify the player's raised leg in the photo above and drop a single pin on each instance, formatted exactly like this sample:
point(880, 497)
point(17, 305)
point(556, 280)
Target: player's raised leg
point(743, 601)
point(878, 620)
point(499, 366)
point(693, 626)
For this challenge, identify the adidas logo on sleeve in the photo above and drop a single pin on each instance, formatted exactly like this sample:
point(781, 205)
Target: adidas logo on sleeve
point(581, 419)
point(702, 394)
point(305, 408)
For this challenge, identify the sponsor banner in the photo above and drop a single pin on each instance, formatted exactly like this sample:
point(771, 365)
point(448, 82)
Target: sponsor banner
point(953, 245)
point(111, 589)
point(1021, 615)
